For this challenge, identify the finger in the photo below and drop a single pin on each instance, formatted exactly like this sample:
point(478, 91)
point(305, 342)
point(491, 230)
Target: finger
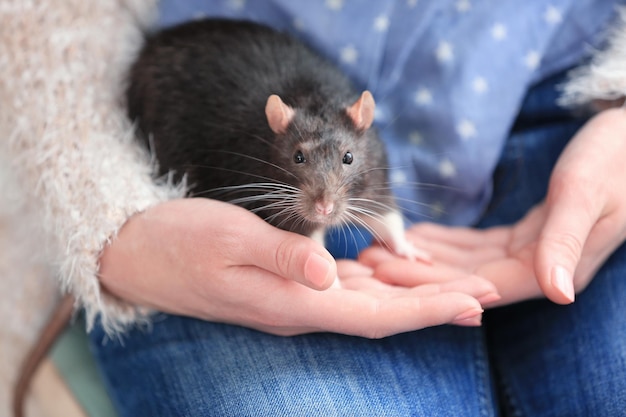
point(369, 314)
point(355, 313)
point(570, 218)
point(461, 237)
point(467, 258)
point(374, 255)
point(409, 274)
point(291, 256)
point(481, 289)
point(604, 238)
point(526, 230)
point(514, 278)
point(392, 315)
point(347, 268)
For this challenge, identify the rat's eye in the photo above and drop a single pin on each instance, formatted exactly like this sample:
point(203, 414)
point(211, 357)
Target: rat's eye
point(348, 158)
point(299, 158)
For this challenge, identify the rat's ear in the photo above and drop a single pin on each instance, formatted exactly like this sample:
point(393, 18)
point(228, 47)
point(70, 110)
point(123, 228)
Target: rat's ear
point(362, 111)
point(278, 114)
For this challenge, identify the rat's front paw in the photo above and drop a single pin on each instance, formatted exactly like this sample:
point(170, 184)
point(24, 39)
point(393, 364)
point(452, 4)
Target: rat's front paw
point(391, 231)
point(407, 250)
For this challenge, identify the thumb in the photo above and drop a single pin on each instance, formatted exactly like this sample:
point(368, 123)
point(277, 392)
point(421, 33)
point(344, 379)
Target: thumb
point(293, 256)
point(559, 248)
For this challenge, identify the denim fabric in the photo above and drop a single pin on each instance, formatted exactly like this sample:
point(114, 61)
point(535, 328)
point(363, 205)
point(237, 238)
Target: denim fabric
point(532, 359)
point(552, 360)
point(186, 367)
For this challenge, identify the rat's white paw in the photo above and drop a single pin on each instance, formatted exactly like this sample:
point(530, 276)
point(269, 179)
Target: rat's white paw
point(391, 231)
point(407, 250)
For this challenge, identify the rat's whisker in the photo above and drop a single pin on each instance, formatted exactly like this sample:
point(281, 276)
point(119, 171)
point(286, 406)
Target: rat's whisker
point(288, 214)
point(421, 185)
point(344, 229)
point(352, 231)
point(254, 158)
point(363, 202)
point(197, 193)
point(367, 213)
point(414, 202)
point(388, 208)
point(284, 215)
point(252, 194)
point(275, 202)
point(221, 190)
point(367, 171)
point(277, 205)
point(258, 186)
point(356, 220)
point(271, 196)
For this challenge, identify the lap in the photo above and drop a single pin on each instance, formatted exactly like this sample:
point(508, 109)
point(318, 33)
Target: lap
point(556, 360)
point(188, 367)
point(553, 360)
point(548, 360)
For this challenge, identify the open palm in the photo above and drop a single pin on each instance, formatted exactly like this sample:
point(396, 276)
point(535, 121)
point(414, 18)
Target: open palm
point(557, 247)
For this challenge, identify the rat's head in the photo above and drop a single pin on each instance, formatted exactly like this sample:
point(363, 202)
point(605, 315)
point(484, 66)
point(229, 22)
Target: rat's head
point(326, 156)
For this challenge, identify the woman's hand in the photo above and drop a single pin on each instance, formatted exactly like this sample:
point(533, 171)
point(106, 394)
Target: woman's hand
point(219, 262)
point(557, 248)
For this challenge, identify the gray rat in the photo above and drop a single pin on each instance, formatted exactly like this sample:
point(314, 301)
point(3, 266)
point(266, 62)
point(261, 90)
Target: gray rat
point(251, 116)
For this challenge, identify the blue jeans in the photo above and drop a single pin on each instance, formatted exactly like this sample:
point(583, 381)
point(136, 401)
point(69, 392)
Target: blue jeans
point(531, 359)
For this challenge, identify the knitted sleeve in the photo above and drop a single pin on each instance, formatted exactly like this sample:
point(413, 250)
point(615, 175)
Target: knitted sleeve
point(64, 131)
point(604, 78)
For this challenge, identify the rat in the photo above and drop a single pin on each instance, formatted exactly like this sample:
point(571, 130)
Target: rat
point(250, 115)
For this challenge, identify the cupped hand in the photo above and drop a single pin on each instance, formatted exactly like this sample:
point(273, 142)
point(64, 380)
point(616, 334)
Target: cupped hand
point(218, 262)
point(558, 246)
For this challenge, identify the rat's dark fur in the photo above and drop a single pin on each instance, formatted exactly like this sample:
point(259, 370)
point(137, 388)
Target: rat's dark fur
point(198, 93)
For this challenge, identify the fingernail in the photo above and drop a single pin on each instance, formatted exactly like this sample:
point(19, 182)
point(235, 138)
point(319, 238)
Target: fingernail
point(562, 281)
point(471, 322)
point(316, 270)
point(469, 314)
point(472, 317)
point(489, 298)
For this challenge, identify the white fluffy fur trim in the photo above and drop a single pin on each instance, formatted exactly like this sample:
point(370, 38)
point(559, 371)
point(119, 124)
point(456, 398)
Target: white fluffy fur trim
point(604, 78)
point(64, 130)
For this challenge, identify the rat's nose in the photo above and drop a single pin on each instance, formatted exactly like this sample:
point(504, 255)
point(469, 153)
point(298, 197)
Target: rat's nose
point(324, 208)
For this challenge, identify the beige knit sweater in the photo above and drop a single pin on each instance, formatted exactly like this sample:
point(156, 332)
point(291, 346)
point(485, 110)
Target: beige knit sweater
point(66, 138)
point(70, 173)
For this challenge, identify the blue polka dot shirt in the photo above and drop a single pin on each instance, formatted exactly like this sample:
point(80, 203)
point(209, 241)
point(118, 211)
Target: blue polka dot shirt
point(448, 76)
